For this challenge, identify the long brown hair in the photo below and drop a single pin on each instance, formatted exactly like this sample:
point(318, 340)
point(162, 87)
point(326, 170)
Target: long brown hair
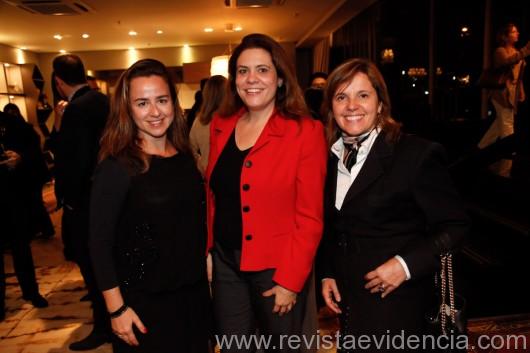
point(289, 98)
point(344, 74)
point(212, 97)
point(120, 138)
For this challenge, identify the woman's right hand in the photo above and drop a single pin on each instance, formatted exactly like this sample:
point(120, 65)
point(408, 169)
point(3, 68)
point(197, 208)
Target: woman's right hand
point(122, 326)
point(331, 294)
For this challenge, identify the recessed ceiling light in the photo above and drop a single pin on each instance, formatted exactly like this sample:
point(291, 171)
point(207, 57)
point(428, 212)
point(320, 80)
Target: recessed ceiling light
point(85, 35)
point(186, 45)
point(23, 48)
point(6, 65)
point(159, 31)
point(132, 33)
point(131, 48)
point(238, 28)
point(62, 51)
point(208, 29)
point(58, 36)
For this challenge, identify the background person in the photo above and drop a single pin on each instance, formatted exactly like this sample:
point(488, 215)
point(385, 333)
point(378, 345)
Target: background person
point(511, 61)
point(79, 120)
point(265, 177)
point(213, 94)
point(15, 232)
point(37, 175)
point(148, 235)
point(391, 210)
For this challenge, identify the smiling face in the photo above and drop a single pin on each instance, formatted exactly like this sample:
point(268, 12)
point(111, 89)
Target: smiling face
point(151, 107)
point(256, 79)
point(356, 106)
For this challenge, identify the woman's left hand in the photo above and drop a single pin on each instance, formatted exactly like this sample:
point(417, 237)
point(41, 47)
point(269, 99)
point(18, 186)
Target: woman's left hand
point(284, 299)
point(386, 278)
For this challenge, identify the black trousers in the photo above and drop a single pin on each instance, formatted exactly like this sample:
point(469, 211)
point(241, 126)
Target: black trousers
point(14, 223)
point(75, 224)
point(241, 311)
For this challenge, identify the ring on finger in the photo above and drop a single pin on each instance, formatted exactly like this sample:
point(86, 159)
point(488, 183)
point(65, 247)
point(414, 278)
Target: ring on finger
point(381, 287)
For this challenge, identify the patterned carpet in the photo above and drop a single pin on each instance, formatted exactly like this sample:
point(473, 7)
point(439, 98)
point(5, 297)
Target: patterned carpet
point(500, 334)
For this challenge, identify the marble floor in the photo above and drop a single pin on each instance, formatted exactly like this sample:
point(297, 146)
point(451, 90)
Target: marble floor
point(31, 330)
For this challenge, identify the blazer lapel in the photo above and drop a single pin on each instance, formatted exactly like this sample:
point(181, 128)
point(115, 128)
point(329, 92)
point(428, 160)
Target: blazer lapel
point(275, 127)
point(331, 180)
point(374, 166)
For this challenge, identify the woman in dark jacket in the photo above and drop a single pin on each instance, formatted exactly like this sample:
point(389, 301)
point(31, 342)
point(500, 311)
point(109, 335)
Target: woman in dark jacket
point(391, 210)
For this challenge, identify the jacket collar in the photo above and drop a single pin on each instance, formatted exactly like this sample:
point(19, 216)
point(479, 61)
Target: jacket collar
point(376, 164)
point(80, 91)
point(275, 127)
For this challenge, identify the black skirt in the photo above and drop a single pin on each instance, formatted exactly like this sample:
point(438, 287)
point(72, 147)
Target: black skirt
point(177, 321)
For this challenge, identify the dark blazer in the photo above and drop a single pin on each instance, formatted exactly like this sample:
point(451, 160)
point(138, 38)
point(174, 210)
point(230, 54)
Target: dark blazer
point(76, 146)
point(401, 203)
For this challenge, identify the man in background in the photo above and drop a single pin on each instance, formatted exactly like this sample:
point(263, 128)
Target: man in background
point(79, 122)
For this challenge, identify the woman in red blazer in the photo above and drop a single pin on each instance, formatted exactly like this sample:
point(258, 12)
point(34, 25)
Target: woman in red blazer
point(265, 176)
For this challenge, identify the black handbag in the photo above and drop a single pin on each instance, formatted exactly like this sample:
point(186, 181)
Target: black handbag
point(448, 317)
point(492, 78)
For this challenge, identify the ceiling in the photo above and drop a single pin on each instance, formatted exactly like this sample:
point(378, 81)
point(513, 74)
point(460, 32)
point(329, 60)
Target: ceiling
point(108, 22)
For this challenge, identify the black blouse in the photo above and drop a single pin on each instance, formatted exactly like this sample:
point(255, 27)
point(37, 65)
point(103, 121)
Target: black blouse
point(225, 183)
point(148, 231)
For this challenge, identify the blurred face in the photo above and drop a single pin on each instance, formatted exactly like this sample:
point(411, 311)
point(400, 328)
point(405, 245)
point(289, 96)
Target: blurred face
point(151, 107)
point(318, 82)
point(356, 106)
point(513, 35)
point(256, 79)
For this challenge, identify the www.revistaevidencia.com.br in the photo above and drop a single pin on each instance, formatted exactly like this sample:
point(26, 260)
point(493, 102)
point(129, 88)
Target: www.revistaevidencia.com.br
point(387, 341)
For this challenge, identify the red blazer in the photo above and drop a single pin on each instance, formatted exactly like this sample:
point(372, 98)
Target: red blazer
point(282, 180)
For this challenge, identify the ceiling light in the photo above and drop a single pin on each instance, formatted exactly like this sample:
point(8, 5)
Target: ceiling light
point(23, 48)
point(85, 35)
point(186, 46)
point(58, 36)
point(131, 48)
point(238, 28)
point(132, 33)
point(208, 29)
point(62, 51)
point(6, 65)
point(159, 31)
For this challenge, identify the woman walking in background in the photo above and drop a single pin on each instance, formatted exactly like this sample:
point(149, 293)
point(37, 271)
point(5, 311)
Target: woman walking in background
point(511, 62)
point(147, 233)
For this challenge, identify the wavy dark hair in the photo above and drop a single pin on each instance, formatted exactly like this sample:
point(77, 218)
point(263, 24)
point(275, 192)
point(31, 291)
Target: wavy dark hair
point(120, 138)
point(212, 96)
point(289, 98)
point(343, 74)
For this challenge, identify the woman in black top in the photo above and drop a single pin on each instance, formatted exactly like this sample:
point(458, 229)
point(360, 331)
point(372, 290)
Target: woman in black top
point(147, 222)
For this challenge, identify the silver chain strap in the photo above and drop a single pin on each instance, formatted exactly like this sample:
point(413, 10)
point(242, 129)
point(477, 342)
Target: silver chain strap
point(446, 279)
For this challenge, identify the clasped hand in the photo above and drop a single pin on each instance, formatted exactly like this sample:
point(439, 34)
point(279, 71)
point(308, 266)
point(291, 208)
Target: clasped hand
point(383, 280)
point(284, 299)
